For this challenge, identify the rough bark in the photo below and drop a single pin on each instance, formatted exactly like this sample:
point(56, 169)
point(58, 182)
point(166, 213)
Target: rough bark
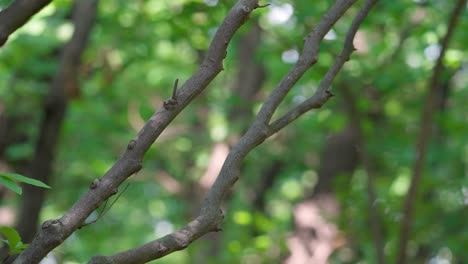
point(17, 14)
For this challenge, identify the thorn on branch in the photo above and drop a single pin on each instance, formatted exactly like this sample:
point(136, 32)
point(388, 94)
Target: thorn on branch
point(329, 94)
point(174, 89)
point(131, 144)
point(171, 103)
point(95, 184)
point(262, 6)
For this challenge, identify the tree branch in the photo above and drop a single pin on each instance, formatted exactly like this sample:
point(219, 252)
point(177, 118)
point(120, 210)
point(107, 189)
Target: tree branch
point(211, 216)
point(54, 232)
point(308, 57)
point(426, 124)
point(17, 14)
point(323, 94)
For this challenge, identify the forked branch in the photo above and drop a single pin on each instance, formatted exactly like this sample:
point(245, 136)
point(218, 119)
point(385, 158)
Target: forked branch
point(54, 232)
point(211, 216)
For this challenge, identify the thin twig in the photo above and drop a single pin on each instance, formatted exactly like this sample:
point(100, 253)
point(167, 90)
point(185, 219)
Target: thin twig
point(307, 59)
point(262, 6)
point(323, 94)
point(105, 209)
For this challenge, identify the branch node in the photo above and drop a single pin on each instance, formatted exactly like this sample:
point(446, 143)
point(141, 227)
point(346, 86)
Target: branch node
point(184, 243)
point(221, 213)
point(131, 144)
point(139, 166)
point(95, 183)
point(162, 248)
point(54, 223)
point(246, 9)
point(115, 190)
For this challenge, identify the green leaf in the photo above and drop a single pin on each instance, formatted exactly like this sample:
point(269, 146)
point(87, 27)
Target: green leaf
point(7, 182)
point(11, 235)
point(21, 178)
point(20, 247)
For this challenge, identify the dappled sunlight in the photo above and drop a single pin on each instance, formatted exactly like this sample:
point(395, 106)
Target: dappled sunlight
point(331, 35)
point(242, 217)
point(315, 237)
point(432, 52)
point(290, 56)
point(401, 183)
point(7, 216)
point(162, 228)
point(65, 31)
point(211, 2)
point(444, 256)
point(414, 60)
point(219, 153)
point(360, 42)
point(464, 192)
point(280, 14)
point(169, 183)
point(218, 126)
point(134, 117)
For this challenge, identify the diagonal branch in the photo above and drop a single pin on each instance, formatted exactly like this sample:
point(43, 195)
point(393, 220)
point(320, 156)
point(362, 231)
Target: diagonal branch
point(427, 119)
point(54, 232)
point(307, 59)
point(323, 94)
point(211, 216)
point(17, 14)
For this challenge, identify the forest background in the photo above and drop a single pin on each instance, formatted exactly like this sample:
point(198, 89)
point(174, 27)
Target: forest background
point(378, 174)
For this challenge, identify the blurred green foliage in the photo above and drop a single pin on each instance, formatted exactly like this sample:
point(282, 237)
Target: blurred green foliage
point(138, 48)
